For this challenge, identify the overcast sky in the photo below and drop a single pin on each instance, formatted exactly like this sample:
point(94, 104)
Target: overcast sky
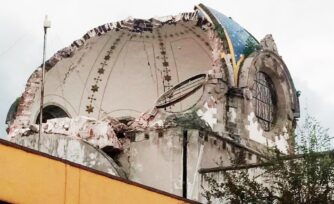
point(302, 29)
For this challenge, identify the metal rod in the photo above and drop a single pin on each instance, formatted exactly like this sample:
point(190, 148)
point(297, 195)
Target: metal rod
point(199, 160)
point(46, 25)
point(257, 165)
point(185, 162)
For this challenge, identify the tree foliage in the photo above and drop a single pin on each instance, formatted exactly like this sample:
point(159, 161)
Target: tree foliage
point(306, 177)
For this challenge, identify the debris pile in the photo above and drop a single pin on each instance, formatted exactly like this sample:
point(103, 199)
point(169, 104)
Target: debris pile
point(99, 133)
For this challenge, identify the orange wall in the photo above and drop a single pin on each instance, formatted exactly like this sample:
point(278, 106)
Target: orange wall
point(27, 177)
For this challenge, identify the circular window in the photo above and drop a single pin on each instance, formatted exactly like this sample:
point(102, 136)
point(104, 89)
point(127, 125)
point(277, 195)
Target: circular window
point(264, 97)
point(181, 91)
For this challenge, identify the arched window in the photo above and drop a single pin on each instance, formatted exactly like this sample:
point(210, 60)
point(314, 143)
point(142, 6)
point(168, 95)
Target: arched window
point(264, 97)
point(50, 112)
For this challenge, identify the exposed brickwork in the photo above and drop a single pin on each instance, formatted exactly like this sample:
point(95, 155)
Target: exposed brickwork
point(23, 113)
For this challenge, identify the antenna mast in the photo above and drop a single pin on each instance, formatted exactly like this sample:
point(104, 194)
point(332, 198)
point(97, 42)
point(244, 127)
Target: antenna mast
point(46, 25)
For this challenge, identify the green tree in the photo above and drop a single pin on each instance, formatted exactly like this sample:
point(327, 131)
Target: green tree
point(307, 177)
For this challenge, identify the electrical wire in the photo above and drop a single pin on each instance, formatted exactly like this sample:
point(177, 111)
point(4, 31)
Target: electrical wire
point(13, 45)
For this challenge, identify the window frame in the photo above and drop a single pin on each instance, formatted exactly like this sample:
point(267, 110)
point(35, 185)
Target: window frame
point(264, 100)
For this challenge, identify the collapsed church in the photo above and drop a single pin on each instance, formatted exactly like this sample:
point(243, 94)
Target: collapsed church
point(159, 101)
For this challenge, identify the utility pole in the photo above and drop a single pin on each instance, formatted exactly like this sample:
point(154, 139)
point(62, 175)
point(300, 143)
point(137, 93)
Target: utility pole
point(46, 25)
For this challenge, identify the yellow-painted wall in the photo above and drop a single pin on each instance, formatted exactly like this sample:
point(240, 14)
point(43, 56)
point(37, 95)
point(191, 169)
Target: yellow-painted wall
point(27, 177)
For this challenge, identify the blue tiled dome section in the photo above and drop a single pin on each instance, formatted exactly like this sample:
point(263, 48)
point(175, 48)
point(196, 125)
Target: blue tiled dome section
point(242, 41)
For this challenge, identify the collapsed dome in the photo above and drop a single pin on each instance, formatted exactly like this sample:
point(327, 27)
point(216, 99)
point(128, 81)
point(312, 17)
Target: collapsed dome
point(125, 68)
point(121, 69)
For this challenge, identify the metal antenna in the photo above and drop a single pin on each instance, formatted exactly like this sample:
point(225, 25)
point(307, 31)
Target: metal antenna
point(46, 25)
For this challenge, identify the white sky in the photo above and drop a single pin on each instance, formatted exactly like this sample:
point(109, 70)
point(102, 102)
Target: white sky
point(302, 29)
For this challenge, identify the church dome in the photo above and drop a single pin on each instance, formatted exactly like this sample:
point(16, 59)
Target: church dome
point(120, 69)
point(240, 41)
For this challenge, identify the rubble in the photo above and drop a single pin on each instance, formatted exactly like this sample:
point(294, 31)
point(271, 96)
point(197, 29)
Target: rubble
point(98, 133)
